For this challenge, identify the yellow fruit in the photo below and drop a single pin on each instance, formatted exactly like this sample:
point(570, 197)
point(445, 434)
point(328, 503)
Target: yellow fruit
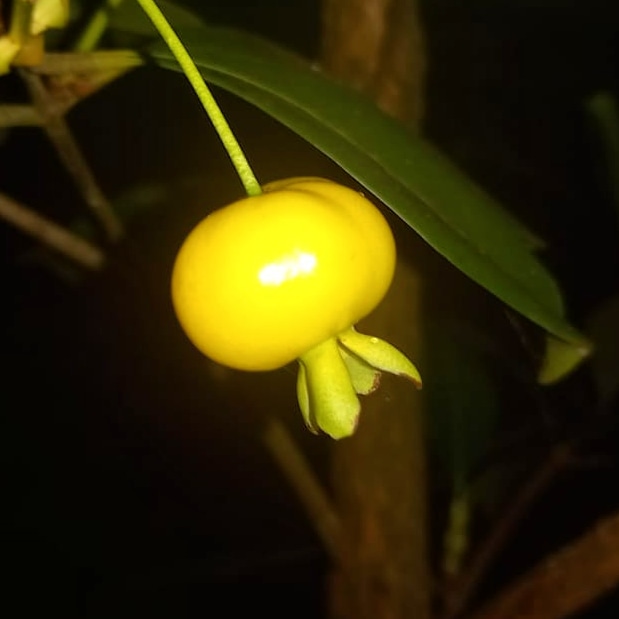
point(285, 275)
point(262, 281)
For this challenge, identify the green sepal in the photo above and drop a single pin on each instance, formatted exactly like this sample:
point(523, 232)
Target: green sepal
point(379, 354)
point(365, 379)
point(303, 397)
point(331, 403)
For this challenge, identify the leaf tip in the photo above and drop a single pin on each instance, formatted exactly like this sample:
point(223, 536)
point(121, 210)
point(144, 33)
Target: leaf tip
point(561, 358)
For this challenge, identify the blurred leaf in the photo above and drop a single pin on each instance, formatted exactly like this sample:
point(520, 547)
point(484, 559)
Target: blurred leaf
point(560, 359)
point(603, 328)
point(462, 404)
point(604, 116)
point(451, 213)
point(492, 488)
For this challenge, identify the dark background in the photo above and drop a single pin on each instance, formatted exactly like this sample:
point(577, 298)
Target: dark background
point(137, 482)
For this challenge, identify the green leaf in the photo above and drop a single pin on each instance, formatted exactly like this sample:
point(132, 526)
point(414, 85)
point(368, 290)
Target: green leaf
point(603, 328)
point(462, 401)
point(435, 199)
point(603, 113)
point(560, 359)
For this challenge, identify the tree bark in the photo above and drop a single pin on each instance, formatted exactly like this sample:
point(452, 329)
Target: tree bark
point(379, 473)
point(565, 582)
point(377, 46)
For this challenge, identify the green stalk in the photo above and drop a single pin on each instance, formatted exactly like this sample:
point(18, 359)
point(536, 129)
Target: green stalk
point(239, 161)
point(95, 28)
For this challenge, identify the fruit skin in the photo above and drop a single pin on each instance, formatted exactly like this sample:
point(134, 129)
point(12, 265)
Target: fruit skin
point(258, 283)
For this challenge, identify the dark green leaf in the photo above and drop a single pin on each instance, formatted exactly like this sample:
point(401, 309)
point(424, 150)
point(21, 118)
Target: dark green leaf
point(462, 402)
point(603, 328)
point(560, 358)
point(451, 213)
point(603, 113)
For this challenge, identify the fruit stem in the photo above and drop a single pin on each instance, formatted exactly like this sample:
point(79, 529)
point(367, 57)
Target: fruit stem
point(239, 161)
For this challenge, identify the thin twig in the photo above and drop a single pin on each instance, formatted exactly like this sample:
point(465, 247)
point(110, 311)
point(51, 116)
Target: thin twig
point(463, 590)
point(566, 582)
point(309, 490)
point(61, 136)
point(319, 508)
point(51, 234)
point(19, 116)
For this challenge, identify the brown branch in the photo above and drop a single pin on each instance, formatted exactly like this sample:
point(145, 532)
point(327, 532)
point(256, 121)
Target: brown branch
point(309, 490)
point(50, 233)
point(565, 582)
point(62, 138)
point(463, 589)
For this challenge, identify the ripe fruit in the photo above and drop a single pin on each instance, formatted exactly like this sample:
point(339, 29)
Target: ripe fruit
point(285, 275)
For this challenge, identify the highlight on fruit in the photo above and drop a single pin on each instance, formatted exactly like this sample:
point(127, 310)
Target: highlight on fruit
point(285, 276)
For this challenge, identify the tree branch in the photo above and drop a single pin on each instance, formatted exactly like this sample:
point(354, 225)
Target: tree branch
point(61, 137)
point(50, 233)
point(565, 582)
point(311, 494)
point(463, 589)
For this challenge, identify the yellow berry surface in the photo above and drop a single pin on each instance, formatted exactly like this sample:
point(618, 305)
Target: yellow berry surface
point(261, 281)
